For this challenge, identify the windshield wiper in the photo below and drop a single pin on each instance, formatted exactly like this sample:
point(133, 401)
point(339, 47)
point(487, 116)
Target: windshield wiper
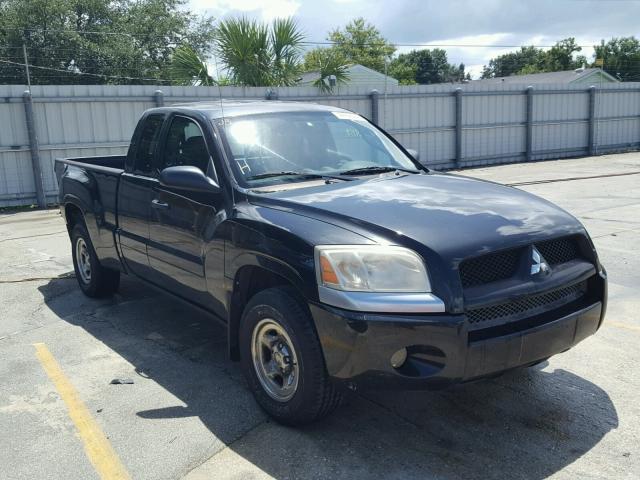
point(295, 174)
point(375, 169)
point(283, 174)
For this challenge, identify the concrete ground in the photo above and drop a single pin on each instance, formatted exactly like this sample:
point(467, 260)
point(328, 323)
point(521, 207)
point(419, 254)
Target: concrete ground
point(188, 413)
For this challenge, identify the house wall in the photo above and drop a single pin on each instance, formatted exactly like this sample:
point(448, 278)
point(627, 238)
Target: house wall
point(363, 77)
point(358, 77)
point(481, 125)
point(597, 78)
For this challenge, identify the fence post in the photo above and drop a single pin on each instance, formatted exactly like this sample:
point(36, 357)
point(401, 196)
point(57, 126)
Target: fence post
point(458, 96)
point(158, 97)
point(35, 149)
point(375, 99)
point(592, 120)
point(529, 124)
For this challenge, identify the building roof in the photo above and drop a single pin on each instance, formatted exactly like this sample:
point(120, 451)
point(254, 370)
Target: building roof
point(358, 75)
point(566, 76)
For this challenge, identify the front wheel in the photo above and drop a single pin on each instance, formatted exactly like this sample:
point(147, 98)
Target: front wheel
point(94, 279)
point(282, 359)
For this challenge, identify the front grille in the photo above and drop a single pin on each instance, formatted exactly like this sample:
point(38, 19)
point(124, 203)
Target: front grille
point(528, 305)
point(504, 264)
point(490, 268)
point(560, 250)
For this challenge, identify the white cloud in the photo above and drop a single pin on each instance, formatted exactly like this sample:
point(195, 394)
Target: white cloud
point(265, 10)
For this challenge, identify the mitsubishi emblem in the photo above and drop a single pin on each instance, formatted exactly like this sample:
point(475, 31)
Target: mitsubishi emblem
point(539, 264)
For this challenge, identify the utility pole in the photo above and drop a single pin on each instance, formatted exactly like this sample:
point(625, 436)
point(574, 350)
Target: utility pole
point(26, 65)
point(33, 138)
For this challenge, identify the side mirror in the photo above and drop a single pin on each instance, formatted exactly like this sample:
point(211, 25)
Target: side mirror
point(186, 177)
point(413, 153)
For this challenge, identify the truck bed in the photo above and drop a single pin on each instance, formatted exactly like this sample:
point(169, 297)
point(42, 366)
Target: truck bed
point(115, 162)
point(92, 183)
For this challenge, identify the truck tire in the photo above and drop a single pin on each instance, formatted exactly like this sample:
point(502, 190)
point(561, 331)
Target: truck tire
point(94, 279)
point(282, 360)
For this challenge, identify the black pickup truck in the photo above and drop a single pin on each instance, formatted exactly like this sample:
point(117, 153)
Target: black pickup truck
point(334, 259)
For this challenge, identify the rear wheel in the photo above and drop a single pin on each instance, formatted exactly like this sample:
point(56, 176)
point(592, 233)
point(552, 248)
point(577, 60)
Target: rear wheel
point(282, 359)
point(94, 279)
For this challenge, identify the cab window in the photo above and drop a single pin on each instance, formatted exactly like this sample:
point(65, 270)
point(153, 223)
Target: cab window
point(147, 142)
point(185, 145)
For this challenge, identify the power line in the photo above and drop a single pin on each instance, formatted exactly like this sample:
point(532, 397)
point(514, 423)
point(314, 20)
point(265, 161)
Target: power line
point(88, 53)
point(437, 45)
point(88, 32)
point(71, 72)
point(80, 32)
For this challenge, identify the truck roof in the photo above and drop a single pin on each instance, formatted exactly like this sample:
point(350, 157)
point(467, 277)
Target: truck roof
point(232, 108)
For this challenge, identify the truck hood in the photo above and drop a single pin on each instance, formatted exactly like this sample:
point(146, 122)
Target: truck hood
point(451, 215)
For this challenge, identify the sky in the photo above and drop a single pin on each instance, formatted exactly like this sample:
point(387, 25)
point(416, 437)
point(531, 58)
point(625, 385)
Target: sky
point(482, 29)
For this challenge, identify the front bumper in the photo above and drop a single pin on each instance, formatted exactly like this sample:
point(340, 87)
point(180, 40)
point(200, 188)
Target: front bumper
point(441, 349)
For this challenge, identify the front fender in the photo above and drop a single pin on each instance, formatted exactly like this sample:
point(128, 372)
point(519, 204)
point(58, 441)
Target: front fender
point(273, 248)
point(273, 265)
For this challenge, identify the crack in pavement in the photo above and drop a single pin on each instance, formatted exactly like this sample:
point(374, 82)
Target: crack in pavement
point(227, 446)
point(570, 179)
point(64, 276)
point(615, 233)
point(32, 236)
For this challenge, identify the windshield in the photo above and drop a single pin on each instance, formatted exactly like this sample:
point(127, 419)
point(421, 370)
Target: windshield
point(268, 149)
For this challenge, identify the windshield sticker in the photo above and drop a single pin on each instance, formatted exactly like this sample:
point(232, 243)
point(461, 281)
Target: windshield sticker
point(348, 116)
point(351, 133)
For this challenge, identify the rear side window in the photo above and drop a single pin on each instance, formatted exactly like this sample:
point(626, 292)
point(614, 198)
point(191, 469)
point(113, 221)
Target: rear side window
point(147, 142)
point(185, 145)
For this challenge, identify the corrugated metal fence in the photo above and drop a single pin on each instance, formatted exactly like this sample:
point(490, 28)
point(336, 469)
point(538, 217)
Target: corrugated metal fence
point(450, 126)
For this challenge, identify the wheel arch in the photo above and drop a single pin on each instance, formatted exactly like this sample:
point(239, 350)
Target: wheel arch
point(249, 279)
point(73, 213)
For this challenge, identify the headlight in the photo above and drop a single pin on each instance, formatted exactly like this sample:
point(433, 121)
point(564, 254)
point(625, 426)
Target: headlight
point(371, 268)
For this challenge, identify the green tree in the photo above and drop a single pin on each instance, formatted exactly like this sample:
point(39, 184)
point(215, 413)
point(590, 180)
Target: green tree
point(536, 60)
point(620, 58)
point(403, 70)
point(426, 67)
point(513, 62)
point(327, 62)
point(358, 43)
point(96, 41)
point(361, 42)
point(561, 56)
point(187, 68)
point(256, 54)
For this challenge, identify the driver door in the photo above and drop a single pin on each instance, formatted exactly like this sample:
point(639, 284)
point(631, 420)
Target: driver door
point(178, 228)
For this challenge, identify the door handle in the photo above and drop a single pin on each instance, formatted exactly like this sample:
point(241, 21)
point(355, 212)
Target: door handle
point(155, 203)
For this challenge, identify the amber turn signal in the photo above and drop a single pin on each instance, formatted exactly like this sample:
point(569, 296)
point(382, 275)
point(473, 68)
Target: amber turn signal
point(327, 273)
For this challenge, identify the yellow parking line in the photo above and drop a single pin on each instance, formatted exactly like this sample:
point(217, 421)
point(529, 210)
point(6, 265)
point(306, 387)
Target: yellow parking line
point(622, 325)
point(96, 446)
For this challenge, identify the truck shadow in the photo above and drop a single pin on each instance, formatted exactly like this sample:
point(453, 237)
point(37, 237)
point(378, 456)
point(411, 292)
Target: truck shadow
point(526, 424)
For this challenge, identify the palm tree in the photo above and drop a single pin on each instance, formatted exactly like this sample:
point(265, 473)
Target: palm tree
point(255, 54)
point(327, 63)
point(187, 68)
point(286, 40)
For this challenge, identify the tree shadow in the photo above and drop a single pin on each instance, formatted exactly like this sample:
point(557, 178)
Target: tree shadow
point(526, 424)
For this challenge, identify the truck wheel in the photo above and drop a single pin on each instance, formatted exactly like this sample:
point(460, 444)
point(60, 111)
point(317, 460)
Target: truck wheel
point(93, 278)
point(282, 360)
